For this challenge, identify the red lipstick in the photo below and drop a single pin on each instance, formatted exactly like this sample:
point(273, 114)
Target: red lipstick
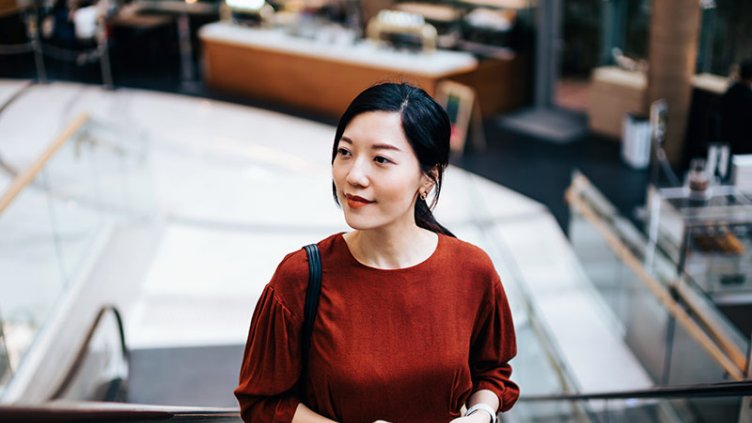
point(356, 202)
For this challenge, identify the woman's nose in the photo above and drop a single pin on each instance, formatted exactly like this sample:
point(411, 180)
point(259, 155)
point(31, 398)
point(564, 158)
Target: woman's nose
point(358, 174)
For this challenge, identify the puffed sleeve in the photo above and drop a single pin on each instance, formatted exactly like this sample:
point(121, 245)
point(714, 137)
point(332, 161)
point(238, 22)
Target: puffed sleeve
point(269, 374)
point(492, 346)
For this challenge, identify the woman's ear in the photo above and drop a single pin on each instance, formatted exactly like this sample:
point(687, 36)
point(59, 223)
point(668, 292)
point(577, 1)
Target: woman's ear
point(430, 178)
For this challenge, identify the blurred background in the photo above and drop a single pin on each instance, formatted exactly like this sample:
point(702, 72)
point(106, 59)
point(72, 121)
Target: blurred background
point(155, 154)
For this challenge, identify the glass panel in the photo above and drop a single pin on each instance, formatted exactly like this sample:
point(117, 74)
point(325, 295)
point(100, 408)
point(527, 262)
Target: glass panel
point(75, 224)
point(698, 410)
point(105, 167)
point(536, 368)
point(663, 345)
point(711, 237)
point(52, 233)
point(29, 263)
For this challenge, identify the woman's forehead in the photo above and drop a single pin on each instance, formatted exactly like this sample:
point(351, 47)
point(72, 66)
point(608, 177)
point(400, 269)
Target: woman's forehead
point(377, 127)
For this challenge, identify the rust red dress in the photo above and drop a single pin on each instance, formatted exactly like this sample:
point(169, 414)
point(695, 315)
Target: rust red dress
point(405, 345)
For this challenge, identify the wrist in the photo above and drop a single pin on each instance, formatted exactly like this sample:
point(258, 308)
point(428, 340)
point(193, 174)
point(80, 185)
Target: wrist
point(479, 417)
point(481, 413)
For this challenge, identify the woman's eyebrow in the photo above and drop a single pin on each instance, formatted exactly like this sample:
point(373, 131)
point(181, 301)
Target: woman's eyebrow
point(384, 147)
point(373, 147)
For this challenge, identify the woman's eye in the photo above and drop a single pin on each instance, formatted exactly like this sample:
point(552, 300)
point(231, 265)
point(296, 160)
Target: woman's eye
point(382, 160)
point(343, 152)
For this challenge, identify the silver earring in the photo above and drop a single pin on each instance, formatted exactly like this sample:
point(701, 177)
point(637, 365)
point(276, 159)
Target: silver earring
point(423, 195)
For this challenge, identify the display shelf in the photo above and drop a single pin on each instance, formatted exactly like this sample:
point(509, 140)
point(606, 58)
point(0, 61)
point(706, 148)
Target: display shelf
point(708, 236)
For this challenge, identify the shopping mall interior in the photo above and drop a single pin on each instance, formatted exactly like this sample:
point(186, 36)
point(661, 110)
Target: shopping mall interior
point(159, 158)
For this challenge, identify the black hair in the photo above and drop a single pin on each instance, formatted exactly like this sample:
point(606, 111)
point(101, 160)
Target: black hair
point(745, 70)
point(426, 127)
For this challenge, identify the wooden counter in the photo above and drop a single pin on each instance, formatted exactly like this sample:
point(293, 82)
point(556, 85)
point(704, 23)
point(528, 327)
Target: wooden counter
point(501, 85)
point(314, 75)
point(614, 92)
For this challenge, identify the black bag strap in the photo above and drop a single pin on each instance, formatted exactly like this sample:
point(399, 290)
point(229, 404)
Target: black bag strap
point(311, 303)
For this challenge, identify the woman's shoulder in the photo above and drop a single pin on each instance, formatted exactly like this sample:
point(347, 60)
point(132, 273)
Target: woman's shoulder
point(471, 263)
point(290, 280)
point(469, 254)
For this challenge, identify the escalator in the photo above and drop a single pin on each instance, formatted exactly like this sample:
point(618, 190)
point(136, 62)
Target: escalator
point(668, 355)
point(96, 384)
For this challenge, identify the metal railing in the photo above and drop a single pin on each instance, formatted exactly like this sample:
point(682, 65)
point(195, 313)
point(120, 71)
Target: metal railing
point(700, 390)
point(28, 176)
point(78, 362)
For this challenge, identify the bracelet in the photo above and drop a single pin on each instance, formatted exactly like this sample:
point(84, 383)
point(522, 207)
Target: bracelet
point(482, 407)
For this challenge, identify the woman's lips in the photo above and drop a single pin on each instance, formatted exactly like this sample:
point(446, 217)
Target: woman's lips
point(356, 202)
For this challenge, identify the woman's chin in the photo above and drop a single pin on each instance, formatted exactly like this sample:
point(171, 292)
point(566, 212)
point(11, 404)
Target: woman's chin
point(360, 223)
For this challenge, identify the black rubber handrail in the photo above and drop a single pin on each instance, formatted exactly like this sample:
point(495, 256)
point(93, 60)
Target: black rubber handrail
point(700, 390)
point(112, 412)
point(81, 355)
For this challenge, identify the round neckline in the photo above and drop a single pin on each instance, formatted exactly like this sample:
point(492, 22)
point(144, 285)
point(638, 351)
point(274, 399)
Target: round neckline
point(400, 269)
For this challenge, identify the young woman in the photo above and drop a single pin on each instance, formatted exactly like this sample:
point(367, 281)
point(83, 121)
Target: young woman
point(412, 323)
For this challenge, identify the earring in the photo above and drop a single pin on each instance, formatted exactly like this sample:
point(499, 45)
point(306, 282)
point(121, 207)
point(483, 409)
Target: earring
point(423, 195)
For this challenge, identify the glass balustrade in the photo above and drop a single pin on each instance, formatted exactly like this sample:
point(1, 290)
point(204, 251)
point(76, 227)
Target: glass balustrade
point(697, 344)
point(53, 230)
point(644, 410)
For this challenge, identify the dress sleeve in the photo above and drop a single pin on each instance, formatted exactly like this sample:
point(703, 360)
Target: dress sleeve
point(492, 346)
point(271, 363)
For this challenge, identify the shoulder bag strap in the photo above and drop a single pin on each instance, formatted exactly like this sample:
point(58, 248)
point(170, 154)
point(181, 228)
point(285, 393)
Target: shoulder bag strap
point(311, 304)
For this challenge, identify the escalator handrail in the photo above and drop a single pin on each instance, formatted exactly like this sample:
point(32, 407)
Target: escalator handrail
point(105, 412)
point(698, 390)
point(27, 176)
point(82, 352)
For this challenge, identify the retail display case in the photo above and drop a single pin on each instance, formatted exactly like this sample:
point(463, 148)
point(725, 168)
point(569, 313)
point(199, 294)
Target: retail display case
point(708, 236)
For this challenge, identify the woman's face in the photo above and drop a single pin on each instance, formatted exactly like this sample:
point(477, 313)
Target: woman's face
point(376, 173)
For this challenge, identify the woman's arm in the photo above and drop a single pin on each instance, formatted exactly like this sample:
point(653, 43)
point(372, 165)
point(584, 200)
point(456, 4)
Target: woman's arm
point(486, 396)
point(493, 347)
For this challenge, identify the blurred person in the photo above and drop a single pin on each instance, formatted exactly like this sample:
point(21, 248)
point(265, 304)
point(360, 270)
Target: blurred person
point(413, 323)
point(58, 27)
point(736, 111)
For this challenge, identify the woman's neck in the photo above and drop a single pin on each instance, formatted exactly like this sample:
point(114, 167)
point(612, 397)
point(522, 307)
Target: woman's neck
point(392, 249)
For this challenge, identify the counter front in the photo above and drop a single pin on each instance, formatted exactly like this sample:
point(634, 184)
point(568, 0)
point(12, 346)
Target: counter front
point(315, 75)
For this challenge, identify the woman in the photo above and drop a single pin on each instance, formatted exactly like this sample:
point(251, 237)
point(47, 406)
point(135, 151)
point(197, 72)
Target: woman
point(412, 323)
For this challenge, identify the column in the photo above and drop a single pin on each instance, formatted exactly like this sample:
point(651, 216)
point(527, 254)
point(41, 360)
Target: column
point(674, 38)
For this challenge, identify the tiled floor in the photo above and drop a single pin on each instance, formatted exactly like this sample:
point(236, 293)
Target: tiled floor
point(573, 93)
